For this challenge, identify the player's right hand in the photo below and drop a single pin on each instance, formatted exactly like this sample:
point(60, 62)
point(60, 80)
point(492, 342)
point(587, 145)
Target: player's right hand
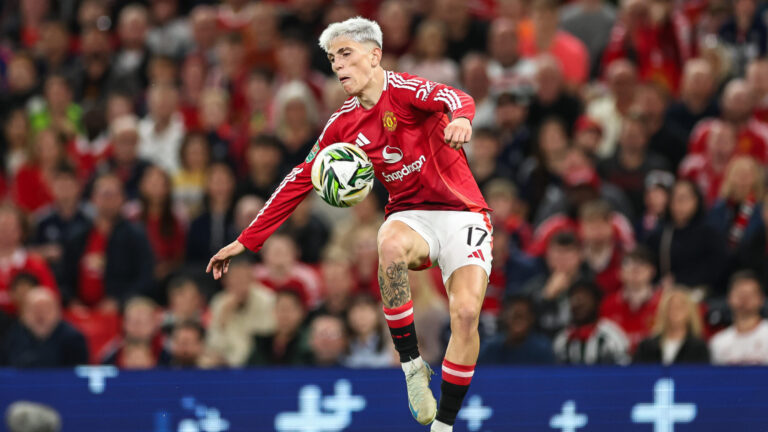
point(219, 263)
point(458, 132)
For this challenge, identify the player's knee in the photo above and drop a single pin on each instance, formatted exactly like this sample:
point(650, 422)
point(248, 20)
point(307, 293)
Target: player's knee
point(464, 318)
point(393, 248)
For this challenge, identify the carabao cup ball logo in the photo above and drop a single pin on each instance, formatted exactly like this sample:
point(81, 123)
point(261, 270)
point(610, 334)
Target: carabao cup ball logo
point(342, 175)
point(390, 121)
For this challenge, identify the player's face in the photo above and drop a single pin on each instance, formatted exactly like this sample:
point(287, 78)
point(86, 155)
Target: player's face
point(353, 63)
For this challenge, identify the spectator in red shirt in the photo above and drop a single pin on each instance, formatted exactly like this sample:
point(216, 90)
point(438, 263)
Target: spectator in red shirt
point(110, 259)
point(677, 333)
point(737, 104)
point(15, 259)
point(31, 186)
point(262, 36)
point(164, 228)
point(548, 38)
point(281, 270)
point(707, 169)
point(581, 186)
point(633, 307)
point(656, 36)
point(602, 250)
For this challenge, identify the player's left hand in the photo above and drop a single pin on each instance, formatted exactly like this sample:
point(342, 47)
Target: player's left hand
point(458, 132)
point(219, 263)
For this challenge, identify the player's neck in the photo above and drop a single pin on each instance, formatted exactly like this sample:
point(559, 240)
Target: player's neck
point(371, 94)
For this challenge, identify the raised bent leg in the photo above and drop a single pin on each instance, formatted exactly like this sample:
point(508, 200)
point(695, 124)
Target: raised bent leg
point(400, 247)
point(466, 290)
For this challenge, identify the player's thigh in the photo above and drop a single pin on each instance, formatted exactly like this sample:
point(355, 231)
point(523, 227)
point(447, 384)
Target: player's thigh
point(466, 291)
point(401, 239)
point(466, 239)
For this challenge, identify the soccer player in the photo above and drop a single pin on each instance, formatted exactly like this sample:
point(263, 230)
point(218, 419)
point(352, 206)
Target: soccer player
point(435, 214)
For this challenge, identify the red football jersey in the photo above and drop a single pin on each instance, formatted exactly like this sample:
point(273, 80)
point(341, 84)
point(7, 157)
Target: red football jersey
point(403, 135)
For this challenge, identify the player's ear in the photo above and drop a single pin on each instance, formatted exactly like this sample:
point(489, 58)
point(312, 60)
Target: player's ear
point(375, 56)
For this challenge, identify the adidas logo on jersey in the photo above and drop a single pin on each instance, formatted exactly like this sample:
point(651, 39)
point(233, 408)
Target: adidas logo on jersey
point(406, 170)
point(362, 140)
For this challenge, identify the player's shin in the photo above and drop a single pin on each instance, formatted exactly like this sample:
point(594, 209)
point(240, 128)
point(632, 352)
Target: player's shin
point(398, 309)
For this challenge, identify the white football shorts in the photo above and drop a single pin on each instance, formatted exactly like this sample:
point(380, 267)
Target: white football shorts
point(455, 238)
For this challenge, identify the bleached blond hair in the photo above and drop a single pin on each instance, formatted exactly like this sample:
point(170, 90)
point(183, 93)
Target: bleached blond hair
point(357, 29)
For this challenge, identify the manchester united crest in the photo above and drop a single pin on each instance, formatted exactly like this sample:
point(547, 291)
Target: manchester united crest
point(390, 121)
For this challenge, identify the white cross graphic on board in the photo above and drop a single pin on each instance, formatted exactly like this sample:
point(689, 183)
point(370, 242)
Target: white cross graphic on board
point(474, 413)
point(664, 412)
point(568, 420)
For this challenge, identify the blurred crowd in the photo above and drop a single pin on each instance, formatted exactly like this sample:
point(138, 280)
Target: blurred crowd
point(621, 145)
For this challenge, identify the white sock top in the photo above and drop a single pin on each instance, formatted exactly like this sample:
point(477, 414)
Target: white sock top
point(412, 365)
point(438, 426)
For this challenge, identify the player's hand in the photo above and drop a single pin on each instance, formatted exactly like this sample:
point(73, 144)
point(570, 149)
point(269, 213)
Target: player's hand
point(219, 263)
point(458, 132)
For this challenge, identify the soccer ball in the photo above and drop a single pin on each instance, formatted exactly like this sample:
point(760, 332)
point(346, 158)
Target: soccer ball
point(342, 175)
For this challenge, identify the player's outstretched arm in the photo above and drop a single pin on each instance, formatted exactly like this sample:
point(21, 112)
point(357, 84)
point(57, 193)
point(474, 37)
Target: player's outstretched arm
point(219, 263)
point(291, 191)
